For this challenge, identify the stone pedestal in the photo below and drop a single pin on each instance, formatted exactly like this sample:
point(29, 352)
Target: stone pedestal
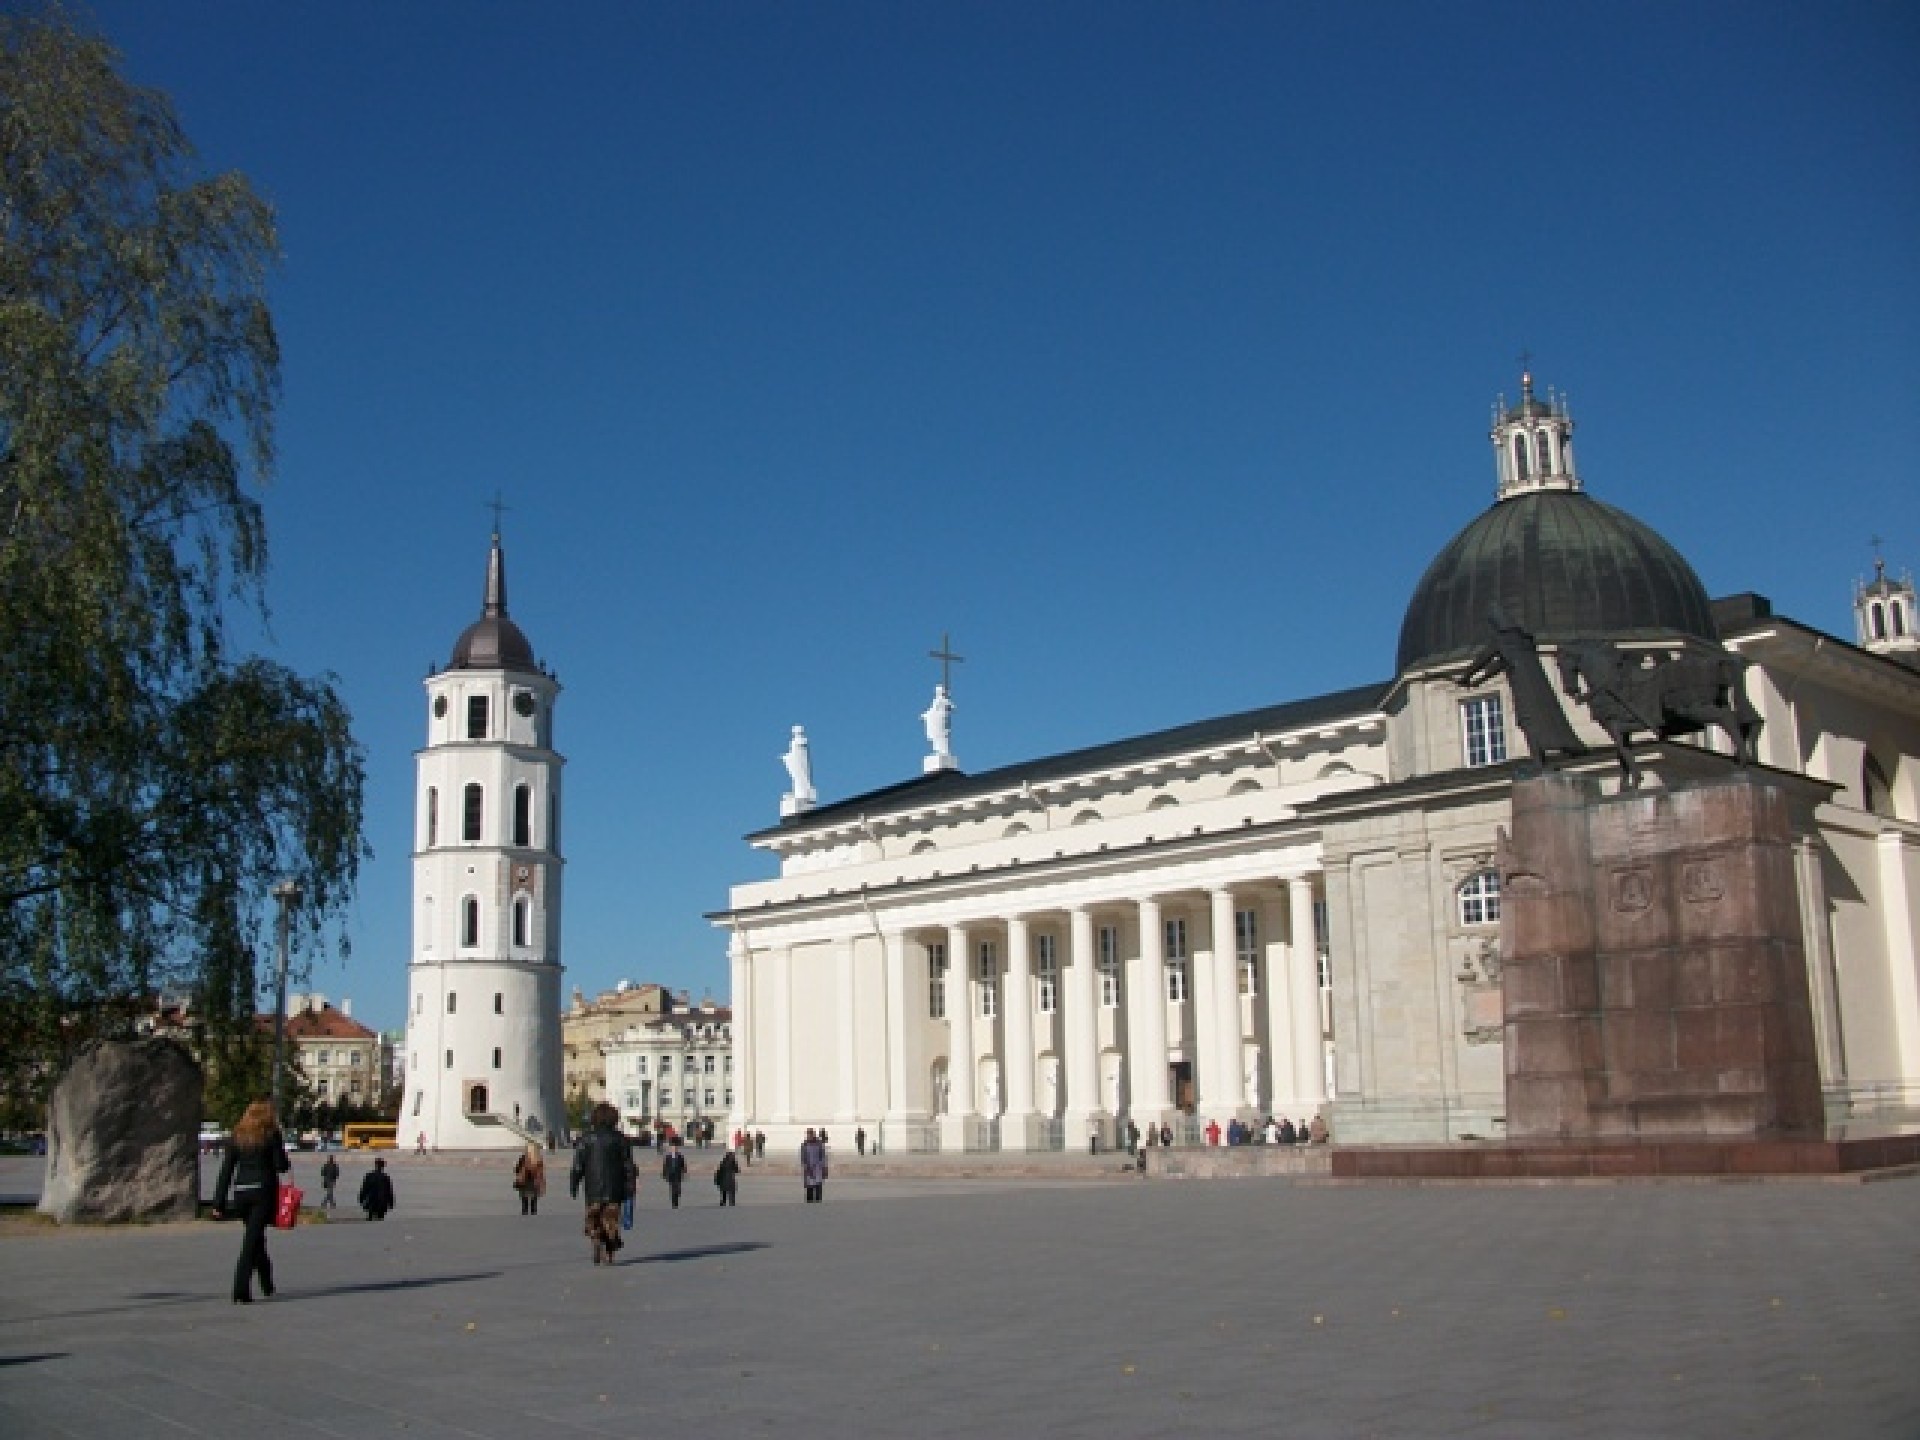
point(1654, 978)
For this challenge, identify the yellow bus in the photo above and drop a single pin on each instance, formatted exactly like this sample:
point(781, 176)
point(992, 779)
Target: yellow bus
point(370, 1135)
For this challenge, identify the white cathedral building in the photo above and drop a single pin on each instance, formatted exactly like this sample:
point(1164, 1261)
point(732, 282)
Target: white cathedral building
point(483, 1011)
point(1295, 910)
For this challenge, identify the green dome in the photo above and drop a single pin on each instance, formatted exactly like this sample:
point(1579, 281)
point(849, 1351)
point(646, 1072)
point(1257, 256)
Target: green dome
point(1561, 565)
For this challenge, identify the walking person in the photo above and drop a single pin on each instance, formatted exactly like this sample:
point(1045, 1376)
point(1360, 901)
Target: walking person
point(760, 1146)
point(813, 1167)
point(603, 1166)
point(376, 1191)
point(673, 1170)
point(530, 1179)
point(249, 1188)
point(329, 1177)
point(727, 1176)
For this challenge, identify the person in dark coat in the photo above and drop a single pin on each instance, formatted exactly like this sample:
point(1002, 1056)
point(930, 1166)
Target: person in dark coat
point(727, 1176)
point(376, 1191)
point(813, 1167)
point(673, 1170)
point(603, 1166)
point(329, 1177)
point(249, 1189)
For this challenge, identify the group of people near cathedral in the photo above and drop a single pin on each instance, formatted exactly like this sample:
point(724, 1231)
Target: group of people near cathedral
point(1275, 1132)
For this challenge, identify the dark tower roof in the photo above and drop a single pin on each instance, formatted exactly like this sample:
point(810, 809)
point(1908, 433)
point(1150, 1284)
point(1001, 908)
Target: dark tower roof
point(493, 642)
point(1563, 566)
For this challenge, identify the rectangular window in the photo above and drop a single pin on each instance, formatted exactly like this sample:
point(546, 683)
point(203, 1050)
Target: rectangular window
point(1246, 949)
point(522, 815)
point(325, 1057)
point(1177, 961)
point(499, 1003)
point(686, 1064)
point(686, 1098)
point(473, 813)
point(321, 1087)
point(708, 1100)
point(433, 818)
point(1047, 972)
point(1109, 967)
point(989, 976)
point(1483, 720)
point(477, 717)
point(1322, 948)
point(355, 1058)
point(666, 1064)
point(355, 1086)
point(706, 1064)
point(936, 982)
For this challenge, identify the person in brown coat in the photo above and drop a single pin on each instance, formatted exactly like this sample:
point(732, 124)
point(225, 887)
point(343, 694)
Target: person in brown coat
point(530, 1179)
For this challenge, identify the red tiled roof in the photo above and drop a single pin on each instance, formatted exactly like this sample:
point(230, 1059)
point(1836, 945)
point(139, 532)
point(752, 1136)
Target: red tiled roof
point(324, 1024)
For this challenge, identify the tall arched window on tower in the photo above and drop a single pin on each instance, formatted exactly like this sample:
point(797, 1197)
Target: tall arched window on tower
point(470, 921)
point(477, 717)
point(522, 815)
point(1879, 621)
point(1519, 457)
point(473, 813)
point(433, 817)
point(1543, 456)
point(522, 919)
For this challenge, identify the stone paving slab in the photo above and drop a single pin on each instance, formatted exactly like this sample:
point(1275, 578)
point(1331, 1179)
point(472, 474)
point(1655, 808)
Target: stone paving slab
point(961, 1307)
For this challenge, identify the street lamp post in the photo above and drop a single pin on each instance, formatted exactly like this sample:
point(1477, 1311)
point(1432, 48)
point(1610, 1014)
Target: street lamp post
point(287, 893)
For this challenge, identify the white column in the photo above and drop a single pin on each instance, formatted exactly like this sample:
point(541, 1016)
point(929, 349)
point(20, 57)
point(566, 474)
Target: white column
point(1020, 1127)
point(905, 997)
point(845, 1106)
point(1203, 1002)
point(1277, 990)
point(1085, 1106)
point(1897, 864)
point(1226, 990)
point(961, 1103)
point(1303, 982)
point(782, 1035)
point(740, 962)
point(1147, 1010)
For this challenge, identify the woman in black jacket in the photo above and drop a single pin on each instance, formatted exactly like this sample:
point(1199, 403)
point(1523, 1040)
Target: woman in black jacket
point(250, 1189)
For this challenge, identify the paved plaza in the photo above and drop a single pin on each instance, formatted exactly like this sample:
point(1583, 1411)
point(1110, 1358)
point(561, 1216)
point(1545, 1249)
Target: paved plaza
point(1012, 1304)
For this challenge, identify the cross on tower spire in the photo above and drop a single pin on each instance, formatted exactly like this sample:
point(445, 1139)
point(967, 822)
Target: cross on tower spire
point(497, 505)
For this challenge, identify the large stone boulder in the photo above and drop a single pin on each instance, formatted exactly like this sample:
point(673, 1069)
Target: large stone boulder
point(123, 1135)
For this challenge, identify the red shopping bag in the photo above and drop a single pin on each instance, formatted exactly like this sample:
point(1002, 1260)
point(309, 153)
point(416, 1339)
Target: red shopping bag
point(287, 1214)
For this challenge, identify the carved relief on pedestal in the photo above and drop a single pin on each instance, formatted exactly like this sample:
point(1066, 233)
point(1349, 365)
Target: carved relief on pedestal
point(1701, 882)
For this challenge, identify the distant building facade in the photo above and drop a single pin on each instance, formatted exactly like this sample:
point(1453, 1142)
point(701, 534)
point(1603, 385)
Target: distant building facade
point(340, 1057)
point(672, 1069)
point(587, 1024)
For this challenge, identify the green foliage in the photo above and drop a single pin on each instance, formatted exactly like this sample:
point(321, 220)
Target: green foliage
point(152, 787)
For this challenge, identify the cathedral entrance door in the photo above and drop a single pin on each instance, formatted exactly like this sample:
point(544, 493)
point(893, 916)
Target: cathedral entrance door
point(1180, 1083)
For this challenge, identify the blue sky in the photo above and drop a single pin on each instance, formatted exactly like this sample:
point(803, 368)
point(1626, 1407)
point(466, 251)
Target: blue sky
point(1146, 349)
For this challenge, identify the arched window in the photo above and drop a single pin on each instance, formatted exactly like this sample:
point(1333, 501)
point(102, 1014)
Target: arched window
point(1162, 802)
point(1480, 898)
point(453, 1002)
point(1899, 619)
point(470, 922)
point(1519, 457)
point(477, 717)
point(1542, 455)
point(1879, 621)
point(496, 1057)
point(499, 1003)
point(475, 809)
point(522, 914)
point(522, 815)
point(433, 817)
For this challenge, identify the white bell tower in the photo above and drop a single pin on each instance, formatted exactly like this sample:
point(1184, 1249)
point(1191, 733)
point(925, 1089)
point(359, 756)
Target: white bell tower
point(483, 1005)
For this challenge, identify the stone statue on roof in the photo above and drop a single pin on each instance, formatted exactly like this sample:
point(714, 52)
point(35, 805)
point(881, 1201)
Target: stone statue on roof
point(799, 763)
